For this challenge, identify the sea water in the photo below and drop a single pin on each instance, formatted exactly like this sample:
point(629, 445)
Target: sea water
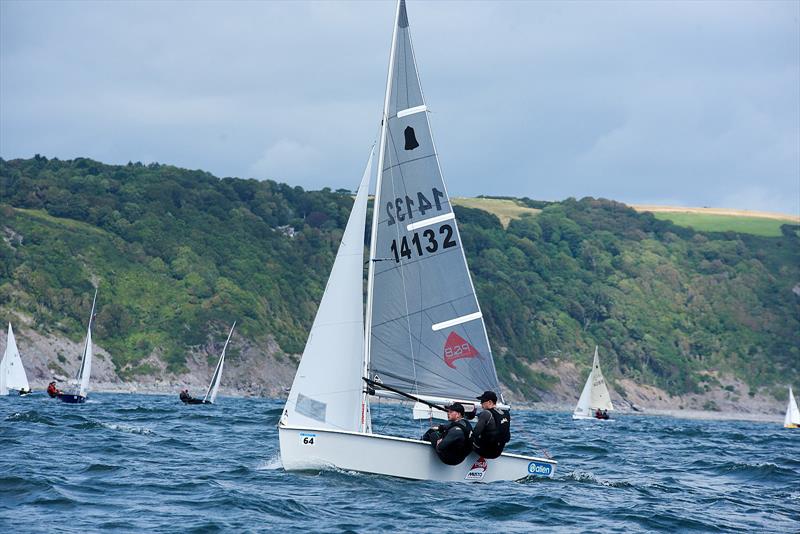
point(149, 463)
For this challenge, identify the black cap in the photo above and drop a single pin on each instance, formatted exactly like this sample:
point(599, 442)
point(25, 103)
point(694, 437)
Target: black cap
point(488, 396)
point(456, 407)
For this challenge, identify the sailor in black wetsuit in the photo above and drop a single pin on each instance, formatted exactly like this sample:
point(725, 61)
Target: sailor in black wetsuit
point(493, 429)
point(184, 396)
point(453, 441)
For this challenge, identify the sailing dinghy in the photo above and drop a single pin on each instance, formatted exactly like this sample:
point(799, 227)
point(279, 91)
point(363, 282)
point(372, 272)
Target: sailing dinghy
point(594, 397)
point(213, 387)
point(792, 419)
point(12, 373)
point(80, 386)
point(424, 336)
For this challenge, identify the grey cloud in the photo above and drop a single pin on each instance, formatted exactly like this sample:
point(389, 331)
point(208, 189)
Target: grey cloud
point(662, 102)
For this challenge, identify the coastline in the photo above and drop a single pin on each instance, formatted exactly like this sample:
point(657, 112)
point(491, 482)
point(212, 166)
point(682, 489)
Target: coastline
point(566, 409)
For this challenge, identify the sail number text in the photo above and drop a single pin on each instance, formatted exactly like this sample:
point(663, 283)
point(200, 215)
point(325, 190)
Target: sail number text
point(403, 207)
point(428, 243)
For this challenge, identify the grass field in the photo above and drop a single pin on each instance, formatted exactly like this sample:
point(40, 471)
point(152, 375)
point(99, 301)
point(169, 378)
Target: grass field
point(723, 220)
point(725, 223)
point(504, 209)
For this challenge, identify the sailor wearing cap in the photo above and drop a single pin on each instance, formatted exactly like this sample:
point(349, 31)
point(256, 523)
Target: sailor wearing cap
point(453, 441)
point(493, 429)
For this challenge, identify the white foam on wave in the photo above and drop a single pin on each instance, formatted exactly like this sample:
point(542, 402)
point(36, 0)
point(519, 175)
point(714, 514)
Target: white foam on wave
point(270, 464)
point(129, 429)
point(591, 478)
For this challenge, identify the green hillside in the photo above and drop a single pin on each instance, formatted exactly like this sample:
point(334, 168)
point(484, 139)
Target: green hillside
point(178, 254)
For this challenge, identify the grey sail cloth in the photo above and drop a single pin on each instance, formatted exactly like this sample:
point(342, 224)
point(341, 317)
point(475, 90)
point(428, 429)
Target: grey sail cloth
point(421, 280)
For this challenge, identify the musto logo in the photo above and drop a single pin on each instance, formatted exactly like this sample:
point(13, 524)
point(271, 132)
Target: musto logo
point(456, 347)
point(540, 469)
point(477, 470)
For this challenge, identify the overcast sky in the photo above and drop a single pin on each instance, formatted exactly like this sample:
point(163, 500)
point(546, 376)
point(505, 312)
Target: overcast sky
point(689, 103)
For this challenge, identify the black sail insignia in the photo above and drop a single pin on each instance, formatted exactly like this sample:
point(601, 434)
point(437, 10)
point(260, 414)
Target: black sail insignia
point(411, 139)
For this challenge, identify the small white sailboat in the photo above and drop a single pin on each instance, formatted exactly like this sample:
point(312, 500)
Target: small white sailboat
point(80, 386)
point(213, 387)
point(792, 419)
point(594, 397)
point(12, 373)
point(424, 336)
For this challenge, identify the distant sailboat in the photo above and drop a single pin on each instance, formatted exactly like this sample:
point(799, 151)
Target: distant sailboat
point(77, 395)
point(792, 419)
point(422, 335)
point(12, 373)
point(595, 394)
point(213, 387)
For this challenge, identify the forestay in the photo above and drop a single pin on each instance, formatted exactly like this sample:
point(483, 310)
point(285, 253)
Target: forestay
point(426, 332)
point(326, 392)
point(595, 394)
point(213, 387)
point(12, 373)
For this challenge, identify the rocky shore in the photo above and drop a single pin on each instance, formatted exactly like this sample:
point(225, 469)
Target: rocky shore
point(264, 371)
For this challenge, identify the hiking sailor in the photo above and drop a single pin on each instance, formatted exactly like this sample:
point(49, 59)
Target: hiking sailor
point(453, 441)
point(493, 429)
point(52, 390)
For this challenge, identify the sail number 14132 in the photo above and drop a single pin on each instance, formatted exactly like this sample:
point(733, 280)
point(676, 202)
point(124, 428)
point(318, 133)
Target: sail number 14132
point(428, 243)
point(401, 208)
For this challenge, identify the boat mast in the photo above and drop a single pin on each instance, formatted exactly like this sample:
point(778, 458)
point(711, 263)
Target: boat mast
point(366, 423)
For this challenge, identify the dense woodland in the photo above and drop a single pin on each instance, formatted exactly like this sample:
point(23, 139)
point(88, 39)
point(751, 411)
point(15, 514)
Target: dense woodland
point(179, 254)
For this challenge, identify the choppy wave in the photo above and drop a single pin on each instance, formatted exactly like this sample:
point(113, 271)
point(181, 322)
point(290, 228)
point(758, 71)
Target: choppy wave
point(163, 466)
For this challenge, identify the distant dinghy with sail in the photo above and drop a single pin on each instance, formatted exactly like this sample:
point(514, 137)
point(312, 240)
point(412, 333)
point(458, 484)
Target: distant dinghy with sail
point(12, 373)
point(425, 338)
point(80, 386)
point(595, 401)
point(213, 387)
point(792, 419)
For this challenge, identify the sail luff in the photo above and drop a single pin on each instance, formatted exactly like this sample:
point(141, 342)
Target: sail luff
point(213, 386)
point(366, 423)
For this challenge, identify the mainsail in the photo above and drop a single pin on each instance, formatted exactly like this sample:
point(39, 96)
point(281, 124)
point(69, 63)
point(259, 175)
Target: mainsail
point(426, 334)
point(85, 371)
point(792, 419)
point(213, 387)
point(12, 373)
point(327, 388)
point(595, 393)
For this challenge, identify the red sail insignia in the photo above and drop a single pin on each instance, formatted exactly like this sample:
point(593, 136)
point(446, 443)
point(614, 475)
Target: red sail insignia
point(456, 348)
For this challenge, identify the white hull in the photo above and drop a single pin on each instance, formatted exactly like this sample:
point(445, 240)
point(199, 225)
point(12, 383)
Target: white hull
point(583, 417)
point(315, 449)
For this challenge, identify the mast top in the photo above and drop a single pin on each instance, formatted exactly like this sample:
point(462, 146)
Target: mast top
point(402, 16)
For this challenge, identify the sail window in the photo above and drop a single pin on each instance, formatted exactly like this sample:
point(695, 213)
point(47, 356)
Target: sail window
point(410, 111)
point(456, 321)
point(311, 408)
point(427, 222)
point(411, 138)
